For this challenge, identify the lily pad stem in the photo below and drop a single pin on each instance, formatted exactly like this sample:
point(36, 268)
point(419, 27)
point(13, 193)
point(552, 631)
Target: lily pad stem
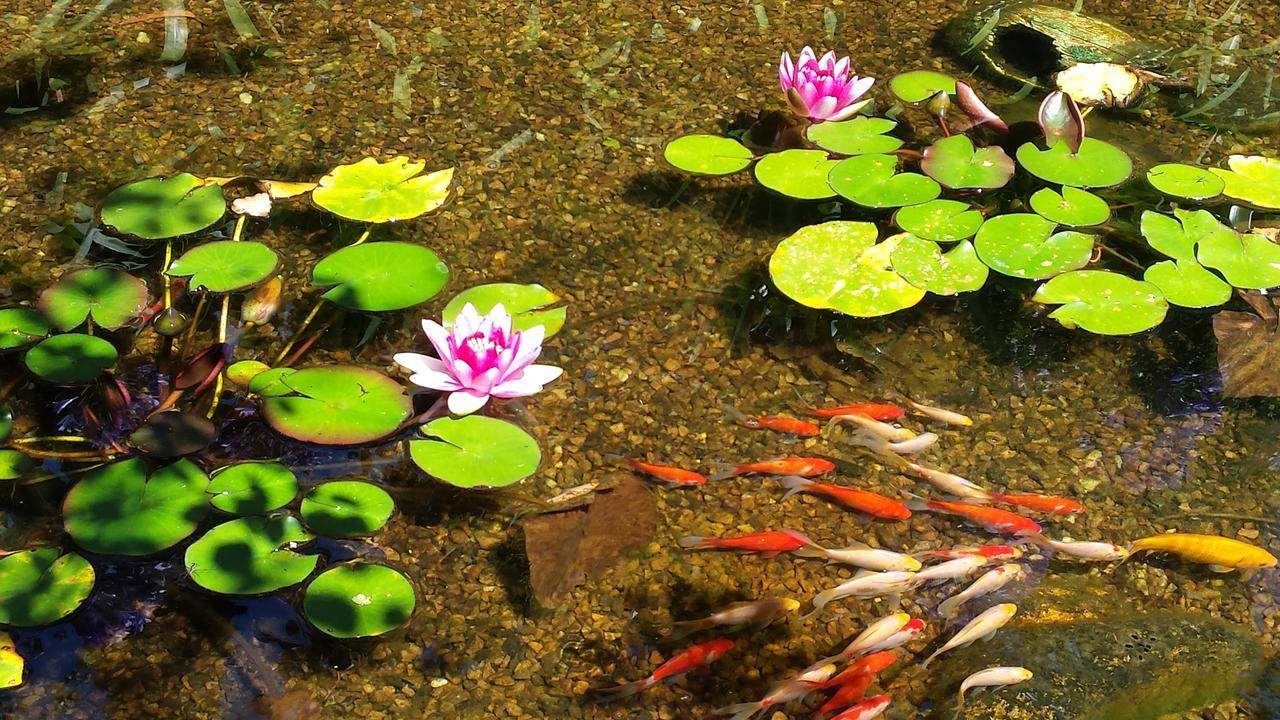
point(50, 438)
point(311, 316)
point(65, 454)
point(191, 331)
point(1133, 263)
point(164, 273)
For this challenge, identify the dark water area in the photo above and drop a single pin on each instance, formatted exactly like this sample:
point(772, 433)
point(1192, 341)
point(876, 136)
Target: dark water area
point(554, 115)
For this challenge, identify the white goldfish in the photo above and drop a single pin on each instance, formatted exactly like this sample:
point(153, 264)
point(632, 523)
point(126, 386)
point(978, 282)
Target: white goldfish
point(1102, 551)
point(861, 555)
point(917, 444)
point(993, 677)
point(882, 430)
point(865, 585)
point(781, 693)
point(991, 581)
point(979, 628)
point(946, 482)
point(941, 415)
point(956, 569)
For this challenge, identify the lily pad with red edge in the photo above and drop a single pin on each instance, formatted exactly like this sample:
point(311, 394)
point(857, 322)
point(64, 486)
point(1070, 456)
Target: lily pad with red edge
point(358, 599)
point(528, 305)
point(1072, 206)
point(21, 327)
point(128, 508)
point(923, 264)
point(377, 192)
point(860, 136)
point(874, 181)
point(110, 297)
point(917, 86)
point(252, 488)
point(346, 508)
point(337, 405)
point(1097, 164)
point(163, 208)
point(954, 162)
point(1185, 181)
point(1103, 302)
point(250, 556)
point(1025, 245)
point(380, 276)
point(800, 174)
point(42, 586)
point(226, 266)
point(940, 220)
point(174, 434)
point(475, 451)
point(702, 154)
point(71, 359)
point(838, 265)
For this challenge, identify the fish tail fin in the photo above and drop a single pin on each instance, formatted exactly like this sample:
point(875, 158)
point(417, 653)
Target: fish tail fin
point(947, 608)
point(929, 659)
point(811, 552)
point(681, 630)
point(794, 484)
point(620, 692)
point(741, 711)
point(692, 542)
point(819, 602)
point(734, 413)
point(915, 503)
point(724, 471)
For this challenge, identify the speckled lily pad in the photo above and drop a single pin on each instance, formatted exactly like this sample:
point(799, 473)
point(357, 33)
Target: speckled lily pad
point(1252, 179)
point(923, 264)
point(377, 192)
point(1185, 181)
point(1103, 302)
point(860, 136)
point(1025, 245)
point(1098, 164)
point(801, 174)
point(874, 181)
point(954, 162)
point(1072, 206)
point(940, 220)
point(838, 265)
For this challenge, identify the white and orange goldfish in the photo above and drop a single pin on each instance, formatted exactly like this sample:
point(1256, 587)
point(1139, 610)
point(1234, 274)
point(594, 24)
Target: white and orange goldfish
point(758, 613)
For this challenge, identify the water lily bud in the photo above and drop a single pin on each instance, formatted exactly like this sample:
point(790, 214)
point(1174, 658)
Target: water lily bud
point(1061, 121)
point(170, 322)
point(939, 104)
point(261, 304)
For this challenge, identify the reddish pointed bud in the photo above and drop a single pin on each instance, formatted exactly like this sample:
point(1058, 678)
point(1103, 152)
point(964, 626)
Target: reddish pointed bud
point(1061, 121)
point(261, 304)
point(201, 369)
point(977, 110)
point(115, 394)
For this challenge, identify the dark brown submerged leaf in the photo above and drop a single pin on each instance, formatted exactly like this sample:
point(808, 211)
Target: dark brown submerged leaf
point(1249, 349)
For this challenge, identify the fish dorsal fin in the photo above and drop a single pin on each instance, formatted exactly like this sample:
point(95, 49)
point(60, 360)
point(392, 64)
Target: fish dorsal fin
point(857, 545)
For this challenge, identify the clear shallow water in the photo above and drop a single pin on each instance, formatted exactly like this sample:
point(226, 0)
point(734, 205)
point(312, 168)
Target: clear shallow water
point(656, 345)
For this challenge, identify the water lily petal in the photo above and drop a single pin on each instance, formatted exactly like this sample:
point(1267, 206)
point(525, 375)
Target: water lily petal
point(428, 372)
point(849, 111)
point(464, 403)
point(823, 109)
point(786, 71)
point(806, 57)
point(439, 338)
point(842, 66)
point(528, 382)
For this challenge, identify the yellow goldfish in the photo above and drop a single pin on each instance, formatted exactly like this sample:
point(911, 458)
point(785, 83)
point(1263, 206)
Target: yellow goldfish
point(1219, 553)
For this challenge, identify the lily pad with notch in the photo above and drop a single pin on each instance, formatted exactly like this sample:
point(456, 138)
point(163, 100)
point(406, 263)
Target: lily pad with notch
point(226, 266)
point(174, 434)
point(71, 359)
point(838, 265)
point(1097, 164)
point(800, 174)
point(126, 508)
point(1185, 181)
point(475, 451)
point(917, 86)
point(163, 208)
point(346, 508)
point(1024, 245)
point(1188, 284)
point(940, 220)
point(270, 382)
point(529, 305)
point(1072, 206)
point(337, 405)
point(1103, 302)
point(21, 327)
point(954, 162)
point(358, 599)
point(1246, 260)
point(703, 154)
point(923, 264)
point(380, 276)
point(874, 181)
point(860, 136)
point(110, 297)
point(1252, 179)
point(41, 586)
point(250, 556)
point(252, 488)
point(376, 192)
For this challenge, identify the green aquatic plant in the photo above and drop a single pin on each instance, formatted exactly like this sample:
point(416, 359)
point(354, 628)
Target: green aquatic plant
point(346, 508)
point(250, 556)
point(71, 359)
point(105, 297)
point(42, 585)
point(337, 405)
point(529, 305)
point(380, 276)
point(252, 488)
point(475, 451)
point(126, 508)
point(358, 600)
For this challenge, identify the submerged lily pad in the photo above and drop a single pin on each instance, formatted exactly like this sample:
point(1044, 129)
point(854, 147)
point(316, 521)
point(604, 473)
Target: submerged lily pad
point(12, 666)
point(250, 556)
point(919, 85)
point(1072, 206)
point(954, 162)
point(162, 208)
point(41, 586)
point(20, 327)
point(860, 136)
point(873, 181)
point(1024, 245)
point(380, 276)
point(374, 192)
point(111, 297)
point(923, 264)
point(226, 266)
point(940, 220)
point(1098, 164)
point(337, 405)
point(14, 464)
point(838, 265)
point(346, 508)
point(122, 509)
point(707, 154)
point(1252, 179)
point(1185, 181)
point(529, 305)
point(801, 174)
point(251, 488)
point(1103, 302)
point(1188, 284)
point(357, 600)
point(476, 451)
point(173, 434)
point(71, 359)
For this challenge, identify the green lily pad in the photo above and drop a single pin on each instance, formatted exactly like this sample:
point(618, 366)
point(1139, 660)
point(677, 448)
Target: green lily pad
point(1098, 164)
point(14, 464)
point(380, 276)
point(358, 600)
point(270, 383)
point(226, 266)
point(1024, 245)
point(529, 305)
point(838, 265)
point(1103, 302)
point(374, 192)
point(121, 509)
point(1246, 261)
point(801, 174)
point(337, 405)
point(1185, 181)
point(1177, 236)
point(250, 556)
point(860, 136)
point(923, 264)
point(243, 372)
point(955, 163)
point(940, 220)
point(12, 666)
point(475, 451)
point(707, 154)
point(20, 327)
point(346, 508)
point(251, 488)
point(1072, 206)
point(1188, 284)
point(1252, 179)
point(71, 359)
point(163, 208)
point(42, 586)
point(173, 434)
point(873, 181)
point(112, 297)
point(920, 85)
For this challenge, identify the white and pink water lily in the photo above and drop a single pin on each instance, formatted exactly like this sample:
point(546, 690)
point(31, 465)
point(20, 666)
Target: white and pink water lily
point(479, 357)
point(822, 88)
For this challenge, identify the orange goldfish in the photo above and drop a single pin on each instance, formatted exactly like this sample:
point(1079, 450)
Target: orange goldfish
point(788, 425)
point(681, 663)
point(868, 665)
point(672, 476)
point(804, 467)
point(867, 709)
point(861, 500)
point(1219, 553)
point(849, 691)
point(1040, 503)
point(993, 519)
point(875, 411)
point(768, 544)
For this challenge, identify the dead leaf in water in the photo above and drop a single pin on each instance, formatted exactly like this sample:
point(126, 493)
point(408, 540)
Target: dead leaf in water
point(1249, 348)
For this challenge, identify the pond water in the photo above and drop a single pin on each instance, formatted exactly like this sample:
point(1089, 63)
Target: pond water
point(554, 115)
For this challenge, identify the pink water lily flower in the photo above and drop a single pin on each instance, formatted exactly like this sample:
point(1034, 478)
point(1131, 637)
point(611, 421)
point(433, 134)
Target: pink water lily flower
point(822, 89)
point(480, 357)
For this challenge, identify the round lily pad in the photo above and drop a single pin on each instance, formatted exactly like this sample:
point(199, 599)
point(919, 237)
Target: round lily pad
point(226, 266)
point(243, 372)
point(71, 359)
point(1246, 260)
point(475, 451)
point(375, 192)
point(122, 509)
point(380, 276)
point(358, 600)
point(250, 556)
point(12, 666)
point(707, 154)
point(954, 162)
point(801, 174)
point(162, 208)
point(1253, 180)
point(839, 265)
point(111, 297)
point(939, 220)
point(529, 305)
point(174, 434)
point(1024, 245)
point(923, 264)
point(920, 85)
point(251, 488)
point(20, 327)
point(346, 508)
point(1103, 302)
point(270, 383)
point(1185, 181)
point(337, 405)
point(873, 181)
point(1188, 284)
point(42, 586)
point(14, 464)
point(860, 136)
point(1072, 206)
point(1097, 164)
